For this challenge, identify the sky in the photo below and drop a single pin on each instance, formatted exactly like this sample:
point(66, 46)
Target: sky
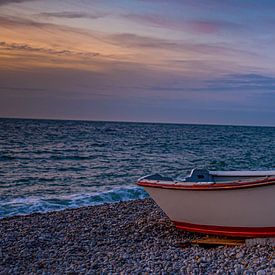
point(178, 61)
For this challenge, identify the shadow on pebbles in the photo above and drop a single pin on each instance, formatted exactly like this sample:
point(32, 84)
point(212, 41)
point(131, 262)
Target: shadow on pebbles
point(127, 237)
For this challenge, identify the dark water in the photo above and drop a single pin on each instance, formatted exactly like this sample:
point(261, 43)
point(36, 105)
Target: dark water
point(50, 165)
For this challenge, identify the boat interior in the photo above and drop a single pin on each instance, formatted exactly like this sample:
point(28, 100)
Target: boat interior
point(206, 176)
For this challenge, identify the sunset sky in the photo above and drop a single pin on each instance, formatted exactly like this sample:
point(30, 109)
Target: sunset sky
point(175, 61)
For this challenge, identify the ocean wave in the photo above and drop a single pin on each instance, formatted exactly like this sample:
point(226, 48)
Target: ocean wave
point(6, 158)
point(70, 157)
point(28, 205)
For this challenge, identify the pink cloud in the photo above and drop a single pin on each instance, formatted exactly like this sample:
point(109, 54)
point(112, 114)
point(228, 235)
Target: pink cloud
point(204, 26)
point(194, 26)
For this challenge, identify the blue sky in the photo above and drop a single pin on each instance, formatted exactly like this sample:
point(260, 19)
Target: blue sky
point(157, 61)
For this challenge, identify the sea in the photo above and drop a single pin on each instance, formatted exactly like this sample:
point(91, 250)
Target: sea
point(49, 165)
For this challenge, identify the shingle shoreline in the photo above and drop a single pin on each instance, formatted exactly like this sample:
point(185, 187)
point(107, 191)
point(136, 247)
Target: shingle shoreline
point(129, 237)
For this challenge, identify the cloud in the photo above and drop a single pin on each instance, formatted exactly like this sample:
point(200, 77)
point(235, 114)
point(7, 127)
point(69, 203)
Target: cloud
point(12, 21)
point(218, 88)
point(12, 88)
point(45, 29)
point(72, 15)
point(6, 2)
point(138, 41)
point(204, 26)
point(194, 26)
point(129, 40)
point(30, 48)
point(252, 78)
point(229, 5)
point(238, 82)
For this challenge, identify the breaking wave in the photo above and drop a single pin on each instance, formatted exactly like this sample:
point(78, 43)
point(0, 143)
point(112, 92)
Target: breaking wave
point(28, 205)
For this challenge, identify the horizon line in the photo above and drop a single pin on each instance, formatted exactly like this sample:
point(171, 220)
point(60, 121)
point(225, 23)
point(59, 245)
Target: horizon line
point(143, 122)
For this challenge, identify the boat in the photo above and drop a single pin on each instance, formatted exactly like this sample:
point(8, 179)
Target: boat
point(230, 203)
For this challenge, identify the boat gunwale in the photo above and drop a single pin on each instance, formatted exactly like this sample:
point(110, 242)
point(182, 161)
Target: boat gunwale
point(208, 186)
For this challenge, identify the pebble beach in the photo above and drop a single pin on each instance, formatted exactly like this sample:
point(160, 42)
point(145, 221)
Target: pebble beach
point(133, 237)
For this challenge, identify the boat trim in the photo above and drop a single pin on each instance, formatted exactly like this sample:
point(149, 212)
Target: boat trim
point(207, 186)
point(227, 230)
point(242, 173)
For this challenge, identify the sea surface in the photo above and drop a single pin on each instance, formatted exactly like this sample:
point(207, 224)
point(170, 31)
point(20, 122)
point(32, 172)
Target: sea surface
point(48, 165)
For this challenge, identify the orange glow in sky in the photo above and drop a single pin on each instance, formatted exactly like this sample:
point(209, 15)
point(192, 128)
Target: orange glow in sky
point(196, 64)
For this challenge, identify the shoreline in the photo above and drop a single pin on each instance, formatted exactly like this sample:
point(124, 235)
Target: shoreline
point(128, 237)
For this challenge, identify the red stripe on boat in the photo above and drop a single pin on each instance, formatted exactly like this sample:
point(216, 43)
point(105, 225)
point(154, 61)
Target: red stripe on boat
point(212, 186)
point(227, 230)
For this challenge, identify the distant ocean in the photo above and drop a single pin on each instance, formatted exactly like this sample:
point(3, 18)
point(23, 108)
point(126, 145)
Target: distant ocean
point(50, 165)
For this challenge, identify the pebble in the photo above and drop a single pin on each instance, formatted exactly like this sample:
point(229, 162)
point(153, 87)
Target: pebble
point(128, 238)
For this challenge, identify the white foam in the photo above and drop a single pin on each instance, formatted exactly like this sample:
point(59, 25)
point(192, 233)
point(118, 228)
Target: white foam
point(27, 205)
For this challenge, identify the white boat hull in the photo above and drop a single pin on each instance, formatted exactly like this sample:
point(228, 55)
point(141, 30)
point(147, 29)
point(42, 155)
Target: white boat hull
point(236, 211)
